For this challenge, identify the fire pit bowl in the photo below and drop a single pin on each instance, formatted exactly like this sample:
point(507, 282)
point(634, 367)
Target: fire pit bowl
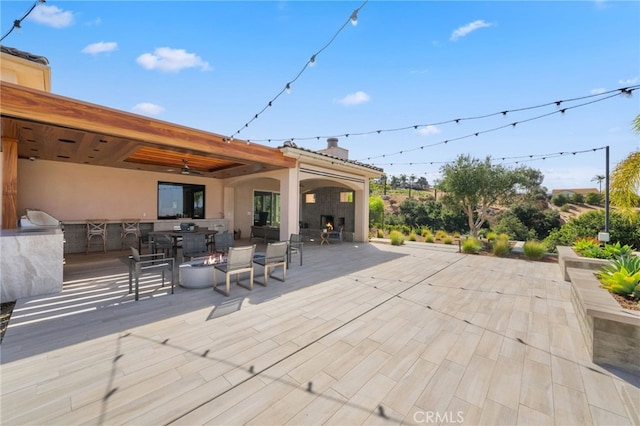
point(198, 273)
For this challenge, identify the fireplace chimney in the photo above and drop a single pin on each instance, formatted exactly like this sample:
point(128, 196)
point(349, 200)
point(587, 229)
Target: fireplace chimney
point(334, 150)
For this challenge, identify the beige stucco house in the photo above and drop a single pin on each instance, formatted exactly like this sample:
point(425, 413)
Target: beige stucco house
point(79, 161)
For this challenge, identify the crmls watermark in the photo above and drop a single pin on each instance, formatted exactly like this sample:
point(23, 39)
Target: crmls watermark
point(438, 417)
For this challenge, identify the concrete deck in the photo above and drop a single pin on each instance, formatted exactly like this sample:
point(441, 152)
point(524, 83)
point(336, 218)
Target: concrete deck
point(360, 334)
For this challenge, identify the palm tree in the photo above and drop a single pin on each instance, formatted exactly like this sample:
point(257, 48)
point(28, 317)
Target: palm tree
point(625, 178)
point(599, 179)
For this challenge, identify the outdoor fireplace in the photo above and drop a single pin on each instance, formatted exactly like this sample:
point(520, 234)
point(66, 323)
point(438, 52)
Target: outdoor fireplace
point(326, 222)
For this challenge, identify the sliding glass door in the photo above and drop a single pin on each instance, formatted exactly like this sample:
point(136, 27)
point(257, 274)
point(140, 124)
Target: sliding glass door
point(266, 208)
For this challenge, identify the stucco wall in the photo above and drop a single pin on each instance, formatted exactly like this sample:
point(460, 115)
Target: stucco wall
point(72, 192)
point(244, 200)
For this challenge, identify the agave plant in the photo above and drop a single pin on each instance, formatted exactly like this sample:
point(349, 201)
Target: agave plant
point(622, 276)
point(616, 250)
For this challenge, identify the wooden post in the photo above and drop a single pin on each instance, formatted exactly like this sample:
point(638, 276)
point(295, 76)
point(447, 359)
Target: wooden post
point(9, 183)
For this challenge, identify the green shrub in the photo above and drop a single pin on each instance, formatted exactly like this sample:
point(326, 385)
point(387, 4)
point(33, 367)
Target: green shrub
point(491, 236)
point(534, 250)
point(501, 247)
point(456, 234)
point(412, 236)
point(440, 235)
point(426, 232)
point(379, 233)
point(559, 200)
point(622, 276)
point(565, 208)
point(594, 199)
point(577, 199)
point(429, 238)
point(448, 239)
point(471, 245)
point(397, 238)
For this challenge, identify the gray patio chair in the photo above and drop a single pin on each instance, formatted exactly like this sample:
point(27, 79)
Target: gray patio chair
point(336, 235)
point(194, 245)
point(239, 260)
point(223, 241)
point(295, 247)
point(276, 255)
point(140, 264)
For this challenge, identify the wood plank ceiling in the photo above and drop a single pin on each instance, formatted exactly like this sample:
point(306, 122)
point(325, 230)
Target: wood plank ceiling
point(55, 128)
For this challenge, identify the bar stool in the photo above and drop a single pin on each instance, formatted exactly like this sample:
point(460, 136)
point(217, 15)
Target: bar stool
point(130, 227)
point(97, 228)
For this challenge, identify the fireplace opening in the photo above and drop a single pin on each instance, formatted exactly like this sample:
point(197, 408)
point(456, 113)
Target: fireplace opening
point(326, 221)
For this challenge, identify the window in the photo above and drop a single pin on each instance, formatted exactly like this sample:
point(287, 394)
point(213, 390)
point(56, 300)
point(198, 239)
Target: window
point(180, 200)
point(266, 208)
point(346, 197)
point(310, 198)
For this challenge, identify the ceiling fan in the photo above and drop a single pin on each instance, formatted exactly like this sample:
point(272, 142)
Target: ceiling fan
point(186, 170)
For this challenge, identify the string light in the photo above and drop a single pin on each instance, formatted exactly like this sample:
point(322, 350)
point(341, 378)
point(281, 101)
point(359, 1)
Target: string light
point(626, 91)
point(17, 22)
point(519, 159)
point(615, 93)
point(353, 19)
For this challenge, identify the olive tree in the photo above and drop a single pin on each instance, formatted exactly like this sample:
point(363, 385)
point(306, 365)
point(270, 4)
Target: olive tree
point(474, 186)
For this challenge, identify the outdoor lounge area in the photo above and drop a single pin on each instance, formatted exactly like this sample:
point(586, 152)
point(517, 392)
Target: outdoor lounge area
point(385, 335)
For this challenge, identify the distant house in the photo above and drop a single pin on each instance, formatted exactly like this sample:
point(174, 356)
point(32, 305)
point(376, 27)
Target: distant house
point(571, 192)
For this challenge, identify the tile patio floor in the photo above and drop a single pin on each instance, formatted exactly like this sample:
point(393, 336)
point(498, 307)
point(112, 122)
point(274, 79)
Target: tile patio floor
point(360, 334)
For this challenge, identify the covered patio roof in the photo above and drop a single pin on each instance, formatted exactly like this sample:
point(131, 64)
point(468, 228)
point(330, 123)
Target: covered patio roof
point(56, 128)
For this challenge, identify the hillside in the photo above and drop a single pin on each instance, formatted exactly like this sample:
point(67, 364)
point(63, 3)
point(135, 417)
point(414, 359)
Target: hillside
point(395, 197)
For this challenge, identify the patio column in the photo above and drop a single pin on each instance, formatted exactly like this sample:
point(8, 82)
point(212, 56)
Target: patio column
point(9, 183)
point(289, 203)
point(361, 196)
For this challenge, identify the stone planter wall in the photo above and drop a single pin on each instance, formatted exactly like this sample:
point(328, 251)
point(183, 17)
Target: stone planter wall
point(612, 334)
point(567, 258)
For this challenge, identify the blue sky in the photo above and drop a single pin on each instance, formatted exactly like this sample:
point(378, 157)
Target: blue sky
point(213, 65)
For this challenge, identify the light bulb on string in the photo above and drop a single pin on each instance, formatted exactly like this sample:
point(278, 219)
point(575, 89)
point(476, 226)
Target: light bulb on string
point(287, 88)
point(312, 61)
point(354, 18)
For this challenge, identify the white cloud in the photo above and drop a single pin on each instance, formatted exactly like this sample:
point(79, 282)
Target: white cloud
point(100, 47)
point(598, 91)
point(428, 130)
point(171, 60)
point(51, 16)
point(147, 108)
point(629, 81)
point(356, 98)
point(96, 22)
point(469, 28)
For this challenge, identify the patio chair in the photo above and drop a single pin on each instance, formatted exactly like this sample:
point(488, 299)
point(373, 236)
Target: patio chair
point(140, 264)
point(276, 255)
point(130, 227)
point(223, 241)
point(335, 235)
point(295, 247)
point(194, 245)
point(161, 243)
point(97, 228)
point(239, 260)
